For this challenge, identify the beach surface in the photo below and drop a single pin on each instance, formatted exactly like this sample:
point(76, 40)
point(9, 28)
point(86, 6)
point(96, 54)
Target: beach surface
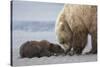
point(20, 37)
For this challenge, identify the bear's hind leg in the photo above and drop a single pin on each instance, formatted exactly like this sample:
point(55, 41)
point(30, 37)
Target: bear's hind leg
point(94, 45)
point(80, 43)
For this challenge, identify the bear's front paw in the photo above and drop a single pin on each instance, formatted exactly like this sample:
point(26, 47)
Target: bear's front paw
point(71, 53)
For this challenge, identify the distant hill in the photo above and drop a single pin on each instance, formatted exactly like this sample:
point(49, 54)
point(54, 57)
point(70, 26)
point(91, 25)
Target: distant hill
point(34, 25)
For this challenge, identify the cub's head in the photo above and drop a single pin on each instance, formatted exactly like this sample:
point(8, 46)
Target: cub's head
point(56, 49)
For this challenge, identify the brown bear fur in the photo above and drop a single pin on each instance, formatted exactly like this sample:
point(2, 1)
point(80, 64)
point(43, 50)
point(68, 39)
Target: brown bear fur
point(39, 49)
point(29, 49)
point(73, 25)
point(56, 49)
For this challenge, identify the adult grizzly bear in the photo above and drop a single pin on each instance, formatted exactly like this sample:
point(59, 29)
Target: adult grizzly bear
point(39, 49)
point(73, 25)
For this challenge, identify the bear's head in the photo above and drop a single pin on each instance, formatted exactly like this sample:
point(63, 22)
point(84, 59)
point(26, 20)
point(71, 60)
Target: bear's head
point(64, 36)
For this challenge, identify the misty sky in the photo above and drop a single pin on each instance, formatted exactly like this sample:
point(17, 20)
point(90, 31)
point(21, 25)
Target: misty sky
point(35, 11)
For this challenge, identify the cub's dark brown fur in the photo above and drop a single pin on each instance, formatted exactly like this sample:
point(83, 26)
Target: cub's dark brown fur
point(39, 49)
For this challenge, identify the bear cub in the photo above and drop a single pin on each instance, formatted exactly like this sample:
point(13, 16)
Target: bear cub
point(39, 49)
